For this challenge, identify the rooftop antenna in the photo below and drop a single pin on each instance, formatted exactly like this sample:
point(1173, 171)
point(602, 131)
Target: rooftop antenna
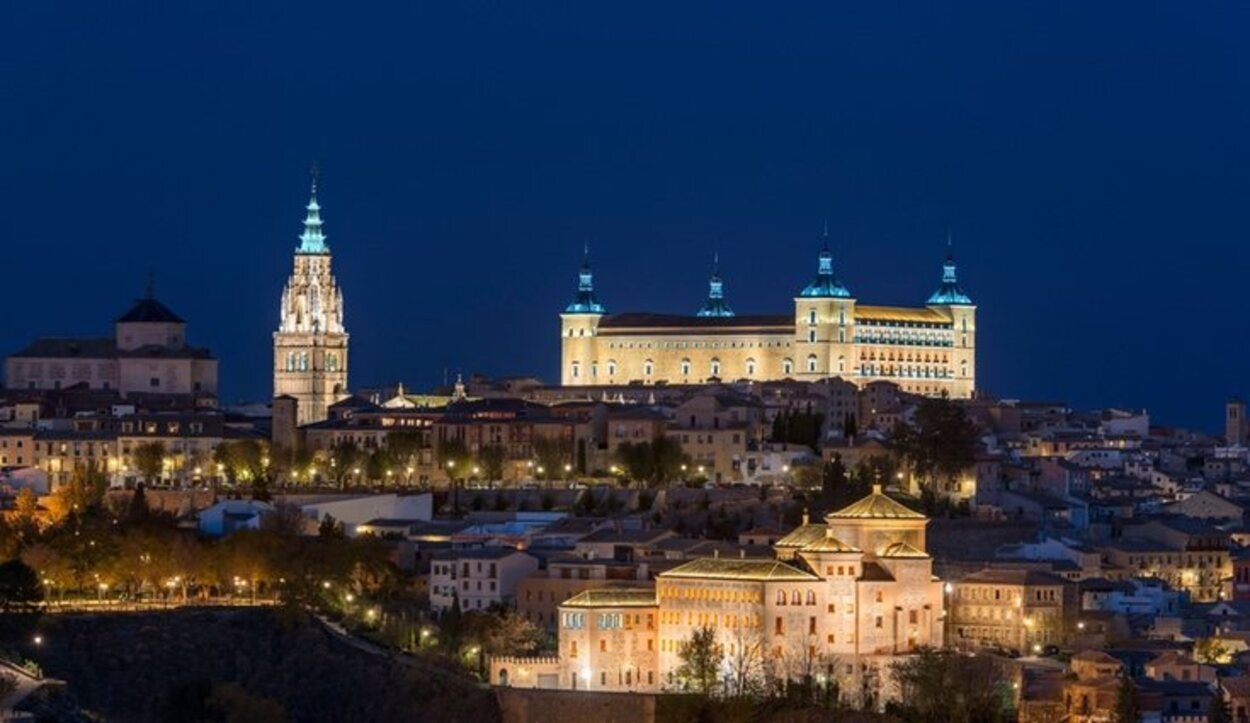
point(151, 288)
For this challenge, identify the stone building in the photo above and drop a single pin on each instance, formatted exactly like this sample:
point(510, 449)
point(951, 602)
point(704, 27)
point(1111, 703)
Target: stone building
point(147, 354)
point(1015, 609)
point(926, 350)
point(310, 345)
point(842, 599)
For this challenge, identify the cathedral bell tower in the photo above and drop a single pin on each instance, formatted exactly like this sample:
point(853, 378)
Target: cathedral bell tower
point(310, 345)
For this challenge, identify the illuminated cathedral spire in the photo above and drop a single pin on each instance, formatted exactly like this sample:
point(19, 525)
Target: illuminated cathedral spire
point(313, 241)
point(949, 292)
point(585, 301)
point(715, 305)
point(826, 285)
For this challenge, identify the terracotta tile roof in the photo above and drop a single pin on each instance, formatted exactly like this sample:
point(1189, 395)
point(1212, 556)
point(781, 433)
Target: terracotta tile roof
point(739, 569)
point(876, 506)
point(612, 598)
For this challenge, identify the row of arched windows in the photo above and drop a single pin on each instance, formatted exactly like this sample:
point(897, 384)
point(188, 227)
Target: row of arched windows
point(298, 361)
point(796, 597)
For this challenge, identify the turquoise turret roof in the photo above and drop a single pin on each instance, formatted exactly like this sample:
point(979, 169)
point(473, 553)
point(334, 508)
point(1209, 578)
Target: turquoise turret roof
point(826, 285)
point(585, 302)
point(715, 304)
point(313, 240)
point(949, 292)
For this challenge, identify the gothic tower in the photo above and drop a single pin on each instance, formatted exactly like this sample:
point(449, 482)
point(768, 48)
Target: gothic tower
point(310, 345)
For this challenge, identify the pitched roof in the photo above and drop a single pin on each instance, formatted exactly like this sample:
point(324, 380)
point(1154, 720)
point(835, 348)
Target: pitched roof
point(149, 310)
point(876, 505)
point(738, 569)
point(829, 543)
point(613, 598)
point(803, 535)
point(903, 550)
point(1014, 576)
point(900, 313)
point(83, 347)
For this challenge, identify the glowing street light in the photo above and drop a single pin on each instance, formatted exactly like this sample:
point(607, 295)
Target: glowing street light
point(38, 640)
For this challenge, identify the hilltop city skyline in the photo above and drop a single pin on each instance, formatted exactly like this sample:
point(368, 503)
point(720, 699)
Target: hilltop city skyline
point(1080, 172)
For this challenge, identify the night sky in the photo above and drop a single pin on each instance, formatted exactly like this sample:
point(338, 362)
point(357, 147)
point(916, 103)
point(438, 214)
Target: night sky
point(1091, 159)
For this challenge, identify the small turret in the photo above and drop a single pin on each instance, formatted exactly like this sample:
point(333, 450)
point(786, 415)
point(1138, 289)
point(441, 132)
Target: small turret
point(715, 305)
point(826, 285)
point(585, 302)
point(949, 292)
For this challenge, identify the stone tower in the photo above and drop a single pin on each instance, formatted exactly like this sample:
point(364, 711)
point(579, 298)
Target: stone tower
point(578, 325)
point(310, 345)
point(951, 300)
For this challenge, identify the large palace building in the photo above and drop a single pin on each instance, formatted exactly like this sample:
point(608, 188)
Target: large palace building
point(925, 350)
point(841, 599)
point(310, 345)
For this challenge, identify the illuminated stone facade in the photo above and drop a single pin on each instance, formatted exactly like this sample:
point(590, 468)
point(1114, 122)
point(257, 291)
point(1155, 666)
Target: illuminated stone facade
point(310, 345)
point(147, 354)
point(925, 350)
point(841, 601)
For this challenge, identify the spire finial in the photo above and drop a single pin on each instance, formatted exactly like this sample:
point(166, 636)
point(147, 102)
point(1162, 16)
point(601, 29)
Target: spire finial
point(715, 262)
point(315, 172)
point(151, 288)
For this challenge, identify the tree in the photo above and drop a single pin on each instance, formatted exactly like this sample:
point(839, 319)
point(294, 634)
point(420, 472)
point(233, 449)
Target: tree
point(83, 492)
point(405, 445)
point(137, 510)
point(501, 634)
point(380, 466)
point(1127, 702)
point(20, 591)
point(492, 459)
point(1212, 651)
point(700, 661)
point(330, 528)
point(345, 459)
point(746, 661)
point(947, 686)
point(657, 462)
point(249, 456)
point(150, 460)
point(553, 453)
point(940, 444)
point(453, 456)
point(26, 514)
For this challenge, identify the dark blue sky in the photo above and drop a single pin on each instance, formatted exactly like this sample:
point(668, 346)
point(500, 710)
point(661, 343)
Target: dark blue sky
point(1092, 159)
